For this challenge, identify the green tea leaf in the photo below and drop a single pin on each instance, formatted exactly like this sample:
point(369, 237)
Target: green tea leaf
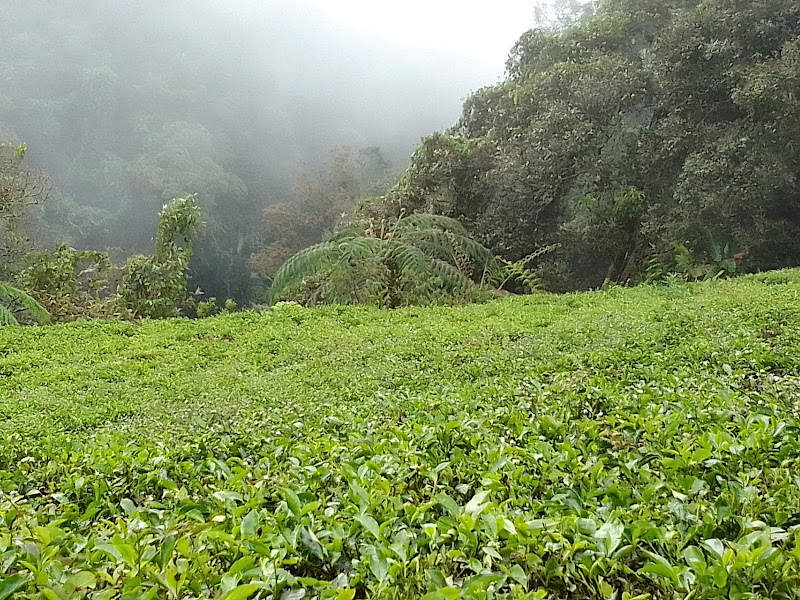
point(82, 579)
point(128, 506)
point(369, 524)
point(661, 570)
point(310, 541)
point(12, 584)
point(609, 537)
point(714, 546)
point(518, 574)
point(241, 592)
point(125, 550)
point(449, 504)
point(250, 524)
point(378, 564)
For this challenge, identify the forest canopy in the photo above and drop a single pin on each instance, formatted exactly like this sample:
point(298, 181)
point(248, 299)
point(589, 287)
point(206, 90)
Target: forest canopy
point(641, 136)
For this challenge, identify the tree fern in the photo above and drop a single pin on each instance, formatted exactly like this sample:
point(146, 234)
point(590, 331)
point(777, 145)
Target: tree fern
point(12, 299)
point(360, 248)
point(452, 279)
point(419, 259)
point(446, 239)
point(406, 258)
point(304, 263)
point(425, 221)
point(310, 261)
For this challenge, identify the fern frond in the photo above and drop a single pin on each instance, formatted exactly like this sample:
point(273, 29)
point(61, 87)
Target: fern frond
point(425, 221)
point(346, 234)
point(303, 264)
point(518, 271)
point(310, 261)
point(479, 254)
point(433, 242)
point(408, 260)
point(26, 302)
point(452, 279)
point(451, 246)
point(359, 248)
point(7, 317)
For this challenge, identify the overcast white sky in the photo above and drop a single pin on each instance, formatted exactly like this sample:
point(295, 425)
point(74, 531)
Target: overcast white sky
point(475, 32)
point(483, 30)
point(403, 67)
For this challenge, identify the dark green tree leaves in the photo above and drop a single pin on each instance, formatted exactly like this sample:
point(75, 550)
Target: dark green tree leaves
point(691, 108)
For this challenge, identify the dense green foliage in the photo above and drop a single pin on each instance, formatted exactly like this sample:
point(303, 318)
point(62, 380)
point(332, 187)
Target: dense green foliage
point(623, 444)
point(636, 138)
point(71, 284)
point(418, 259)
point(120, 137)
point(637, 443)
point(13, 300)
point(321, 200)
point(19, 187)
point(155, 286)
point(74, 284)
point(646, 124)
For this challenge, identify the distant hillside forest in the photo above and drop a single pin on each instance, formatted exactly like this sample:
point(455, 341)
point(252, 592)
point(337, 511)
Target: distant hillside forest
point(630, 140)
point(125, 106)
point(640, 136)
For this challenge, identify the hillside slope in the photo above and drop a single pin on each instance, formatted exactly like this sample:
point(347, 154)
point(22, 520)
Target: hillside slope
point(639, 441)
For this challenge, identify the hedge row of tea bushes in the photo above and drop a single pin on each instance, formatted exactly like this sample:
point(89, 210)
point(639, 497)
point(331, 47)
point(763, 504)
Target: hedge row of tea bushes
point(630, 443)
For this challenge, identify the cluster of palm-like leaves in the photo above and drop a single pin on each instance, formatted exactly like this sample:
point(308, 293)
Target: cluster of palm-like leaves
point(421, 259)
point(14, 300)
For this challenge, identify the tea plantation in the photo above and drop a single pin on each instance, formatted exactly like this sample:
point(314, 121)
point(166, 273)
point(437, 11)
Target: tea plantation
point(631, 443)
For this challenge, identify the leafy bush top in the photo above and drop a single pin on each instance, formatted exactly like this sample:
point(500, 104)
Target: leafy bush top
point(634, 443)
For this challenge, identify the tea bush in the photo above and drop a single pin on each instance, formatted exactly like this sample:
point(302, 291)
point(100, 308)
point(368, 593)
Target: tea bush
point(627, 443)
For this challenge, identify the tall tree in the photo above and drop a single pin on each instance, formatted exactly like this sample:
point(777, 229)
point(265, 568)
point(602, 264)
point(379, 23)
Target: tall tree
point(645, 124)
point(20, 187)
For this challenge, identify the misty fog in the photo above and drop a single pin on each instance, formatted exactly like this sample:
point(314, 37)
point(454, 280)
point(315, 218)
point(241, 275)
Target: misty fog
point(125, 105)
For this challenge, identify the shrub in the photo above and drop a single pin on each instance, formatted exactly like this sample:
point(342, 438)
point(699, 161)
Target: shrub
point(419, 259)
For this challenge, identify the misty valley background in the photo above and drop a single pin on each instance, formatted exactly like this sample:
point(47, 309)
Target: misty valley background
point(340, 158)
point(250, 105)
